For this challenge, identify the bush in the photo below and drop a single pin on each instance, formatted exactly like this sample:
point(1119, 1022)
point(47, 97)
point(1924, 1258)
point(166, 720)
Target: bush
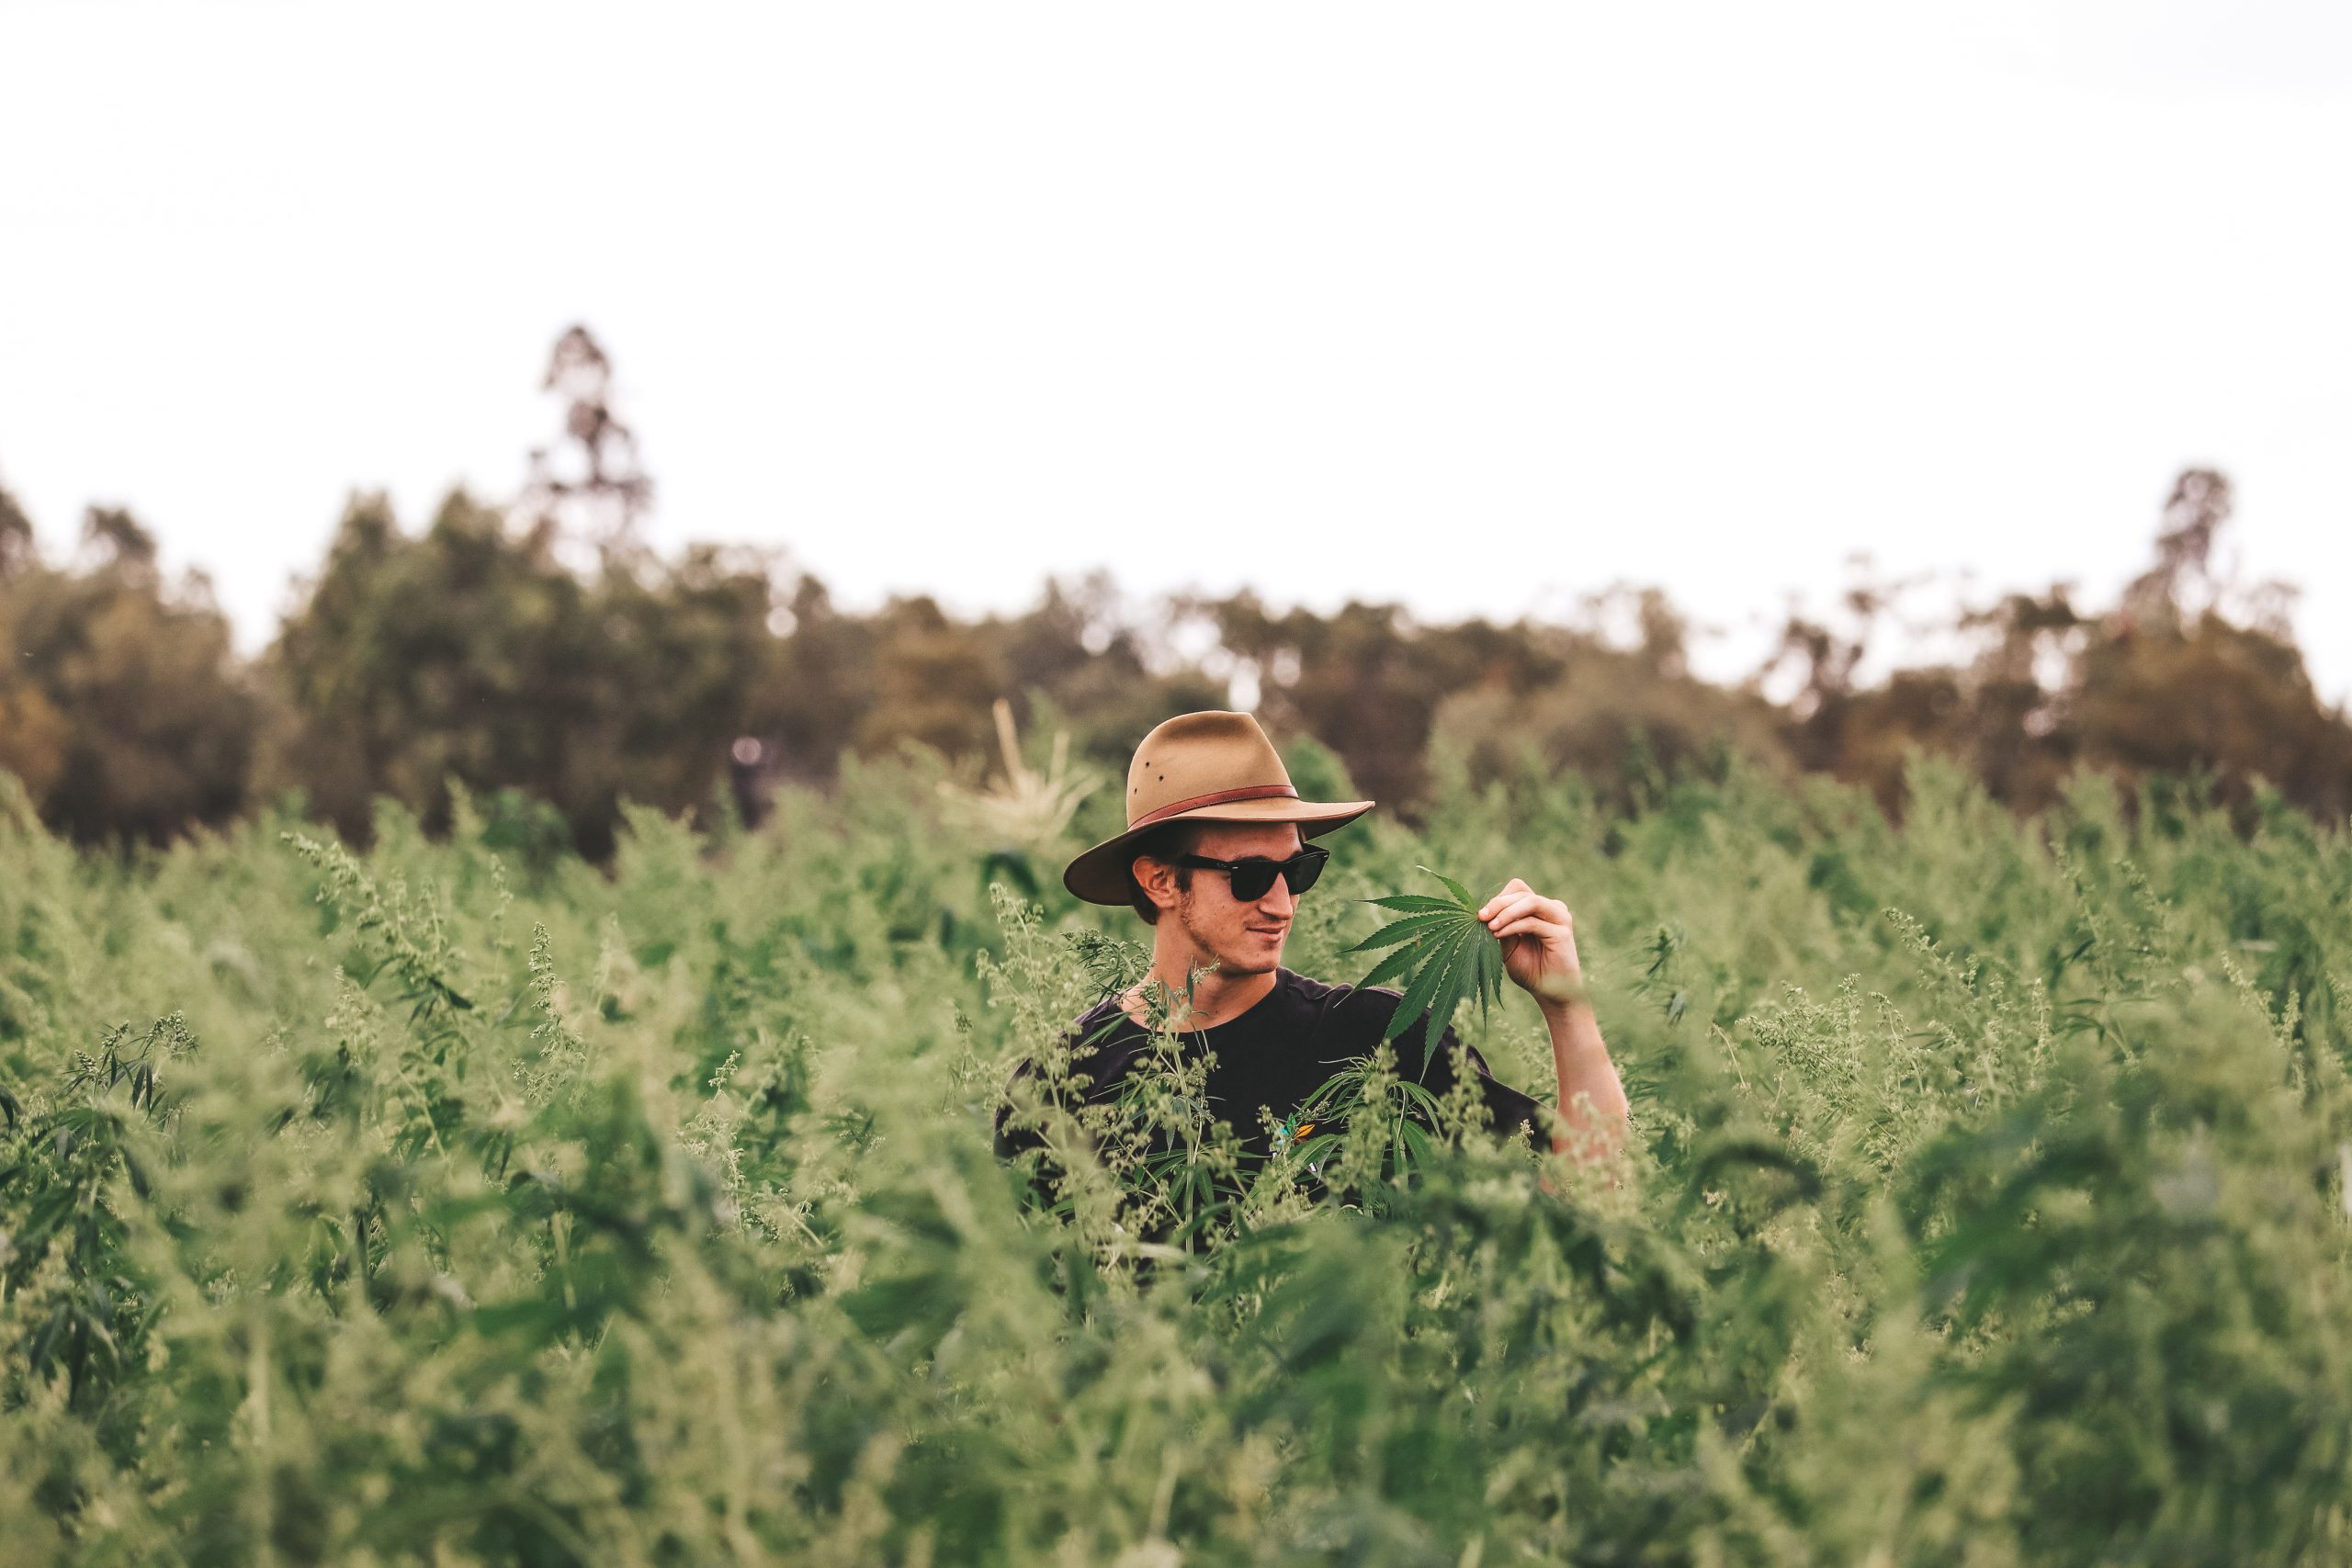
point(1987, 1205)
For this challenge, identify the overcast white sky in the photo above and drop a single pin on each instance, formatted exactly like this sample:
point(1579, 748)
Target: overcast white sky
point(1475, 306)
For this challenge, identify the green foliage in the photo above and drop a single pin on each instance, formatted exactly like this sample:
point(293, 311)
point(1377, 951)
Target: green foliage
point(539, 657)
point(470, 653)
point(1443, 953)
point(121, 707)
point(1987, 1204)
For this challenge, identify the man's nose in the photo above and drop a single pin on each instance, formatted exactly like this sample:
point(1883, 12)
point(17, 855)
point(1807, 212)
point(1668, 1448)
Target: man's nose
point(1279, 899)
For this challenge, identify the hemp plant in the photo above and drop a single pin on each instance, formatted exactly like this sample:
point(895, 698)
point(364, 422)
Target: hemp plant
point(1442, 952)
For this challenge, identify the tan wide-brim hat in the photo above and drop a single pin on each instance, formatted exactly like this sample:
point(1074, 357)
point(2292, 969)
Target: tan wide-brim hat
point(1201, 767)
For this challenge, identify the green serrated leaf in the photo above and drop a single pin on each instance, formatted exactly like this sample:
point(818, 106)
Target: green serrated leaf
point(1461, 978)
point(1490, 979)
point(1448, 953)
point(1413, 1095)
point(1416, 903)
point(1461, 894)
point(1425, 984)
point(1400, 961)
point(1318, 1148)
point(1462, 983)
point(1407, 929)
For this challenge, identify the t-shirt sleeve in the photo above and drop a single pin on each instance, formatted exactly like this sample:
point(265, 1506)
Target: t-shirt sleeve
point(1513, 1114)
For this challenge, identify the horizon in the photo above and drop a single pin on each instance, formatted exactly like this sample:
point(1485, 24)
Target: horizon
point(1919, 625)
point(953, 309)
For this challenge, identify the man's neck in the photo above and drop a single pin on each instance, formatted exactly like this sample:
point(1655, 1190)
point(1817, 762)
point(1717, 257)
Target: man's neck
point(1216, 998)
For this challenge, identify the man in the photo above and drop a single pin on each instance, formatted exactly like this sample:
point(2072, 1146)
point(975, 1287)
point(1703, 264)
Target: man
point(1215, 860)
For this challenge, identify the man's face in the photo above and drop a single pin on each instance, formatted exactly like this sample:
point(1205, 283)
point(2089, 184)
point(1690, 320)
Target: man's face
point(1241, 939)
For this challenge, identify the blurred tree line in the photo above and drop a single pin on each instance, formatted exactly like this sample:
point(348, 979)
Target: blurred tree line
point(540, 657)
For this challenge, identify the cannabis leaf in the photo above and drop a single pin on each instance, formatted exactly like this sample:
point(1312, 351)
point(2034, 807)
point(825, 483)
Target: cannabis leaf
point(1446, 950)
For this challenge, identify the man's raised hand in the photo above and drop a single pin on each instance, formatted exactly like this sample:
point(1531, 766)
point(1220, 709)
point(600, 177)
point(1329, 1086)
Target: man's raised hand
point(1539, 941)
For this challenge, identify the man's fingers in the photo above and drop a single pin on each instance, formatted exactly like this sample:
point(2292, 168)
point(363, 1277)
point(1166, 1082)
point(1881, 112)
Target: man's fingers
point(1512, 909)
point(1518, 895)
point(1530, 903)
point(1531, 925)
point(1487, 910)
point(1500, 904)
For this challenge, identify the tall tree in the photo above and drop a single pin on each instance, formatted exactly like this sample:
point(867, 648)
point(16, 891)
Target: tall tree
point(2194, 674)
point(592, 487)
point(478, 653)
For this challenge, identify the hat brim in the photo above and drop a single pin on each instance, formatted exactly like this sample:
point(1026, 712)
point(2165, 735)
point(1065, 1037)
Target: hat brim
point(1100, 875)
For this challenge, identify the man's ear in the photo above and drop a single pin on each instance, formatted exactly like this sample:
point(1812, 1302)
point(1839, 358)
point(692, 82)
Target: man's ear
point(1156, 878)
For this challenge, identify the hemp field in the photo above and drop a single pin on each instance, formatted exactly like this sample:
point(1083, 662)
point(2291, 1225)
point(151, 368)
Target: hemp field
point(429, 1204)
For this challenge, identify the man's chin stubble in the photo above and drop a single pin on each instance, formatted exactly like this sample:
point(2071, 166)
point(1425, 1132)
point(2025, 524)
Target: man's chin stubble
point(1256, 961)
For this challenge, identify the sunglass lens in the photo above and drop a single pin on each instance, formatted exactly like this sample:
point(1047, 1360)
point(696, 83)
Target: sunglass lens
point(1254, 879)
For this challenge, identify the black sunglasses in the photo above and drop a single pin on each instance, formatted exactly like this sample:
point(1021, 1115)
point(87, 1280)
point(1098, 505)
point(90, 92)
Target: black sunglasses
point(1253, 879)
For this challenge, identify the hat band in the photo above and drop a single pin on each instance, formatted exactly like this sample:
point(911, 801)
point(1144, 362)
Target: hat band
point(1253, 792)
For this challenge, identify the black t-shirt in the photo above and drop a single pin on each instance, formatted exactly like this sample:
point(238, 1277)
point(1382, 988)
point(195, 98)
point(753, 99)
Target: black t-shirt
point(1287, 1045)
